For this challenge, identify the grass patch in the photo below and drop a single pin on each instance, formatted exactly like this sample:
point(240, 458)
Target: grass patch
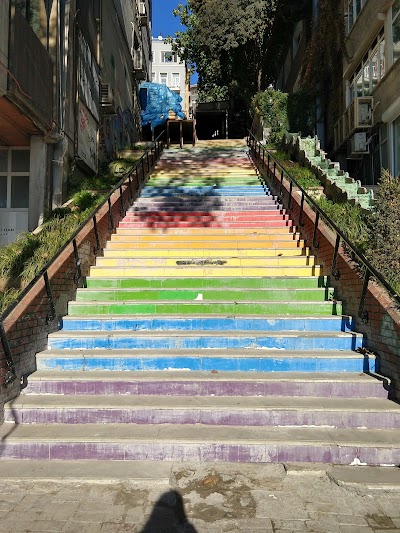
point(304, 177)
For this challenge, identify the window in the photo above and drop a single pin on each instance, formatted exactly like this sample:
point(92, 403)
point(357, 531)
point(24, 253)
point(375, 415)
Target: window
point(164, 78)
point(168, 57)
point(369, 73)
point(396, 29)
point(14, 178)
point(396, 147)
point(353, 10)
point(175, 79)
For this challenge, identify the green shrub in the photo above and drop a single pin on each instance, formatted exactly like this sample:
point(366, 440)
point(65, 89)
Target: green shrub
point(14, 256)
point(384, 230)
point(272, 106)
point(83, 200)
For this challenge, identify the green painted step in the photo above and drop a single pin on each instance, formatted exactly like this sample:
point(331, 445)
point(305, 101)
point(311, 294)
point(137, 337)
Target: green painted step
point(208, 283)
point(203, 308)
point(255, 295)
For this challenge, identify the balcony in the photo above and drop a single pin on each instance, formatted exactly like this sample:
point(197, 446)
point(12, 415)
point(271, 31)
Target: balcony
point(31, 85)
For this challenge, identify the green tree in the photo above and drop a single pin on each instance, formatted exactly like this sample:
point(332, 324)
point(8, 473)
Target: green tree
point(226, 41)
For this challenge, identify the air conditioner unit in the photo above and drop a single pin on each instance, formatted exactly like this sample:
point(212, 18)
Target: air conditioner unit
point(360, 113)
point(138, 64)
point(143, 13)
point(359, 145)
point(107, 97)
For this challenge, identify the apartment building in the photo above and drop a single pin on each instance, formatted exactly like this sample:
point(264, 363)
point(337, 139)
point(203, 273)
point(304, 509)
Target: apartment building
point(69, 79)
point(365, 137)
point(369, 128)
point(168, 69)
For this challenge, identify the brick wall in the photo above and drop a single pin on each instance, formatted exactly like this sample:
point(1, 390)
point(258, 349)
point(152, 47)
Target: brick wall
point(382, 330)
point(27, 325)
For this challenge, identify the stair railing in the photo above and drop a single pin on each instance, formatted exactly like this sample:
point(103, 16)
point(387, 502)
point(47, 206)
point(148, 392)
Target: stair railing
point(277, 174)
point(139, 170)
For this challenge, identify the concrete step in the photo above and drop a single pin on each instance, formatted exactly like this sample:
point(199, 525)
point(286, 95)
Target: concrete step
point(212, 271)
point(198, 443)
point(288, 282)
point(182, 307)
point(196, 216)
point(138, 243)
point(198, 340)
point(237, 295)
point(207, 222)
point(209, 323)
point(230, 233)
point(192, 383)
point(198, 252)
point(184, 261)
point(272, 411)
point(242, 360)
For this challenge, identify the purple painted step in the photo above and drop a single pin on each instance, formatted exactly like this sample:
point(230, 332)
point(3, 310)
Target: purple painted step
point(200, 444)
point(325, 386)
point(329, 417)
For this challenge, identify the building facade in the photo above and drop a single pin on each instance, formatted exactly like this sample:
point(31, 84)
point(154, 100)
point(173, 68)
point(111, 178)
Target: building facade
point(69, 78)
point(168, 69)
point(369, 128)
point(361, 129)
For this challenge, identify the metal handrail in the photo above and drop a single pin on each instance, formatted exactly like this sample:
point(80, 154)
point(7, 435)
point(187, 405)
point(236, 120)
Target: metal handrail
point(256, 146)
point(125, 180)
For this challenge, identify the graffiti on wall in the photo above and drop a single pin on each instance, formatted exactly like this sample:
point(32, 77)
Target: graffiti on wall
point(118, 132)
point(87, 137)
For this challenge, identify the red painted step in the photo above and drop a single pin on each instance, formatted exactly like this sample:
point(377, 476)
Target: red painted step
point(261, 223)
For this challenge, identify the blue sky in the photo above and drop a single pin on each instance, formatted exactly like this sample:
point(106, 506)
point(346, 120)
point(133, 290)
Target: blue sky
point(164, 22)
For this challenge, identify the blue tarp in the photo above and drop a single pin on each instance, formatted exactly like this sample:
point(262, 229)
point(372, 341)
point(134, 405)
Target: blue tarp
point(156, 101)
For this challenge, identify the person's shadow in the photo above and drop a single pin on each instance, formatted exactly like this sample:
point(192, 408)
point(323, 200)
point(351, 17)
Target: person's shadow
point(168, 516)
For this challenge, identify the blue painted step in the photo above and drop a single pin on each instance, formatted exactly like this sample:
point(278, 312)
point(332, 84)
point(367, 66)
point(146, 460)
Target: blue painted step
point(205, 360)
point(195, 340)
point(333, 323)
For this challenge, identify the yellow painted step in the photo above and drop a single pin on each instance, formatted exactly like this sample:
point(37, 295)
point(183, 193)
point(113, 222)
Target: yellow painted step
point(228, 261)
point(211, 272)
point(205, 252)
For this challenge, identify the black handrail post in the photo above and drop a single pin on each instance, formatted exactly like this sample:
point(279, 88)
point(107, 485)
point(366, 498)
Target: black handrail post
point(52, 315)
point(148, 161)
point(110, 214)
point(121, 197)
point(142, 167)
point(263, 158)
point(130, 190)
point(362, 313)
point(11, 374)
point(335, 270)
point(301, 211)
point(290, 195)
point(314, 241)
point(96, 235)
point(78, 275)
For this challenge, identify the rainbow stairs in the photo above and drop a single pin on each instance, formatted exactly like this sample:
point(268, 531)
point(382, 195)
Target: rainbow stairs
point(207, 332)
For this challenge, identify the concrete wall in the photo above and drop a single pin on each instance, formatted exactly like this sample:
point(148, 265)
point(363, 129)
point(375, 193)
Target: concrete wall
point(4, 26)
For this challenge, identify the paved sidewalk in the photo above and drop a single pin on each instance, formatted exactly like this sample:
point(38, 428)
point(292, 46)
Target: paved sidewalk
point(198, 498)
